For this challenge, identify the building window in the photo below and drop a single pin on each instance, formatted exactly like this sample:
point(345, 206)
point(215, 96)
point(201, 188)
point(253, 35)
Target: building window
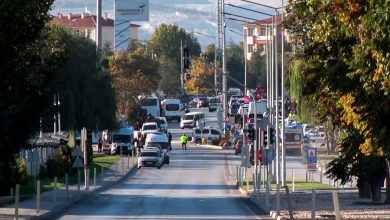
point(262, 32)
point(251, 32)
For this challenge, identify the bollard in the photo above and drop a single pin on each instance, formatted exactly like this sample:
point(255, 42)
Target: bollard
point(87, 180)
point(94, 177)
point(116, 169)
point(320, 174)
point(38, 202)
point(293, 180)
point(254, 183)
point(78, 180)
point(55, 190)
point(306, 176)
point(102, 173)
point(277, 199)
point(123, 165)
point(237, 178)
point(128, 160)
point(17, 202)
point(67, 185)
point(336, 205)
point(313, 204)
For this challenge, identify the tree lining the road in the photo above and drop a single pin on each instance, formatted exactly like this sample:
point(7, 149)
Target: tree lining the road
point(344, 46)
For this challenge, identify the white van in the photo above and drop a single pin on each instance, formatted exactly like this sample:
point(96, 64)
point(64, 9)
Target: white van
point(192, 119)
point(159, 140)
point(150, 104)
point(261, 108)
point(171, 109)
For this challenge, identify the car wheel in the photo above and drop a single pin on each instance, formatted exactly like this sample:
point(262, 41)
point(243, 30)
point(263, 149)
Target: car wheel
point(139, 167)
point(159, 167)
point(198, 141)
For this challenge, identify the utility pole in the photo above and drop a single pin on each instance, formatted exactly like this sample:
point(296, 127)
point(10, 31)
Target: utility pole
point(98, 24)
point(224, 72)
point(283, 108)
point(181, 68)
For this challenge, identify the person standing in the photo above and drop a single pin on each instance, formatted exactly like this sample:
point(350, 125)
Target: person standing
point(100, 145)
point(184, 140)
point(170, 140)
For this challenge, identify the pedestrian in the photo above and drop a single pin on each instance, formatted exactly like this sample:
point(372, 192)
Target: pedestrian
point(100, 145)
point(170, 140)
point(184, 139)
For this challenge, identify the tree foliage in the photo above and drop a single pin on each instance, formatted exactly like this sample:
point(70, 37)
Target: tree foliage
point(29, 58)
point(133, 74)
point(256, 70)
point(202, 77)
point(166, 43)
point(235, 63)
point(86, 95)
point(344, 46)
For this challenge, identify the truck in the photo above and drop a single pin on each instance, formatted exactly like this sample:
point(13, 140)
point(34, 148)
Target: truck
point(119, 142)
point(294, 140)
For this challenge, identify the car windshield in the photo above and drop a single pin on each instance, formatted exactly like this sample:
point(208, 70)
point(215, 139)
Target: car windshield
point(172, 107)
point(149, 154)
point(121, 138)
point(188, 117)
point(149, 127)
point(163, 145)
point(149, 102)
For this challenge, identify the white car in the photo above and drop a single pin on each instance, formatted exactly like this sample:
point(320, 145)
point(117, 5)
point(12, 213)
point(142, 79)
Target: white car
point(192, 119)
point(150, 158)
point(149, 127)
point(208, 132)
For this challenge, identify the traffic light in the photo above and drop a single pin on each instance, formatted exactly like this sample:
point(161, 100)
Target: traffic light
point(271, 135)
point(251, 134)
point(265, 140)
point(186, 58)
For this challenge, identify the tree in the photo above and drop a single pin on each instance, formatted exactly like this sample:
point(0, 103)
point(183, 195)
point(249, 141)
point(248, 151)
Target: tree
point(343, 46)
point(29, 58)
point(235, 63)
point(256, 70)
point(170, 78)
point(202, 77)
point(133, 74)
point(166, 43)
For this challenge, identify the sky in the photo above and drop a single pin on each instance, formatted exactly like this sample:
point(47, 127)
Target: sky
point(192, 15)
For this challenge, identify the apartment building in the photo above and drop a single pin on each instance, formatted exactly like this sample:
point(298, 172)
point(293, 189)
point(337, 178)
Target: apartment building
point(256, 35)
point(84, 24)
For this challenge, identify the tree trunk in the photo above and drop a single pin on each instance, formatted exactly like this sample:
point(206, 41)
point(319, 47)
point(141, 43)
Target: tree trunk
point(387, 201)
point(327, 132)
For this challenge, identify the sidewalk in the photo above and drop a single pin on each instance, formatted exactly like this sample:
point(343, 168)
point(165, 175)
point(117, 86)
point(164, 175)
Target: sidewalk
point(54, 201)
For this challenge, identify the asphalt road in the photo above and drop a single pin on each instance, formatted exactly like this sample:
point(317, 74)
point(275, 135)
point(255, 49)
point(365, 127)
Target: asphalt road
point(197, 184)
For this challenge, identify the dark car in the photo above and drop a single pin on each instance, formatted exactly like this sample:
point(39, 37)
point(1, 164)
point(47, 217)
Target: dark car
point(203, 102)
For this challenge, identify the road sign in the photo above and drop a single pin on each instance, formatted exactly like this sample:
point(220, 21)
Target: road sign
point(77, 152)
point(312, 166)
point(78, 163)
point(311, 158)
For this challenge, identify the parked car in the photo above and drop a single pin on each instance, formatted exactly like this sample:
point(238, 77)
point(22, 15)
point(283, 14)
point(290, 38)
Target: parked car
point(210, 133)
point(149, 127)
point(150, 158)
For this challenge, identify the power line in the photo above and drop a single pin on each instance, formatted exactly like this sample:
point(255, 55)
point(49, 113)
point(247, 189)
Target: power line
point(235, 6)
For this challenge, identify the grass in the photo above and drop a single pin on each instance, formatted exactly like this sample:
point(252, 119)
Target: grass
point(48, 183)
point(298, 185)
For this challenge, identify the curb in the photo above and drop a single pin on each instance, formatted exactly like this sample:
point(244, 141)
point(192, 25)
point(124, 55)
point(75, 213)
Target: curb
point(51, 214)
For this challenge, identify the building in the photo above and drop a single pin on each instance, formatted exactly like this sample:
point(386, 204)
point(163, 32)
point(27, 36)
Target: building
point(84, 24)
point(255, 35)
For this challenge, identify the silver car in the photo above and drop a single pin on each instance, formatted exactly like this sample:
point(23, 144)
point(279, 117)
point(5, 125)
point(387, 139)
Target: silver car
point(150, 158)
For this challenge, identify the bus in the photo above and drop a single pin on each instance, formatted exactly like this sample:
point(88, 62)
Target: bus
point(150, 104)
